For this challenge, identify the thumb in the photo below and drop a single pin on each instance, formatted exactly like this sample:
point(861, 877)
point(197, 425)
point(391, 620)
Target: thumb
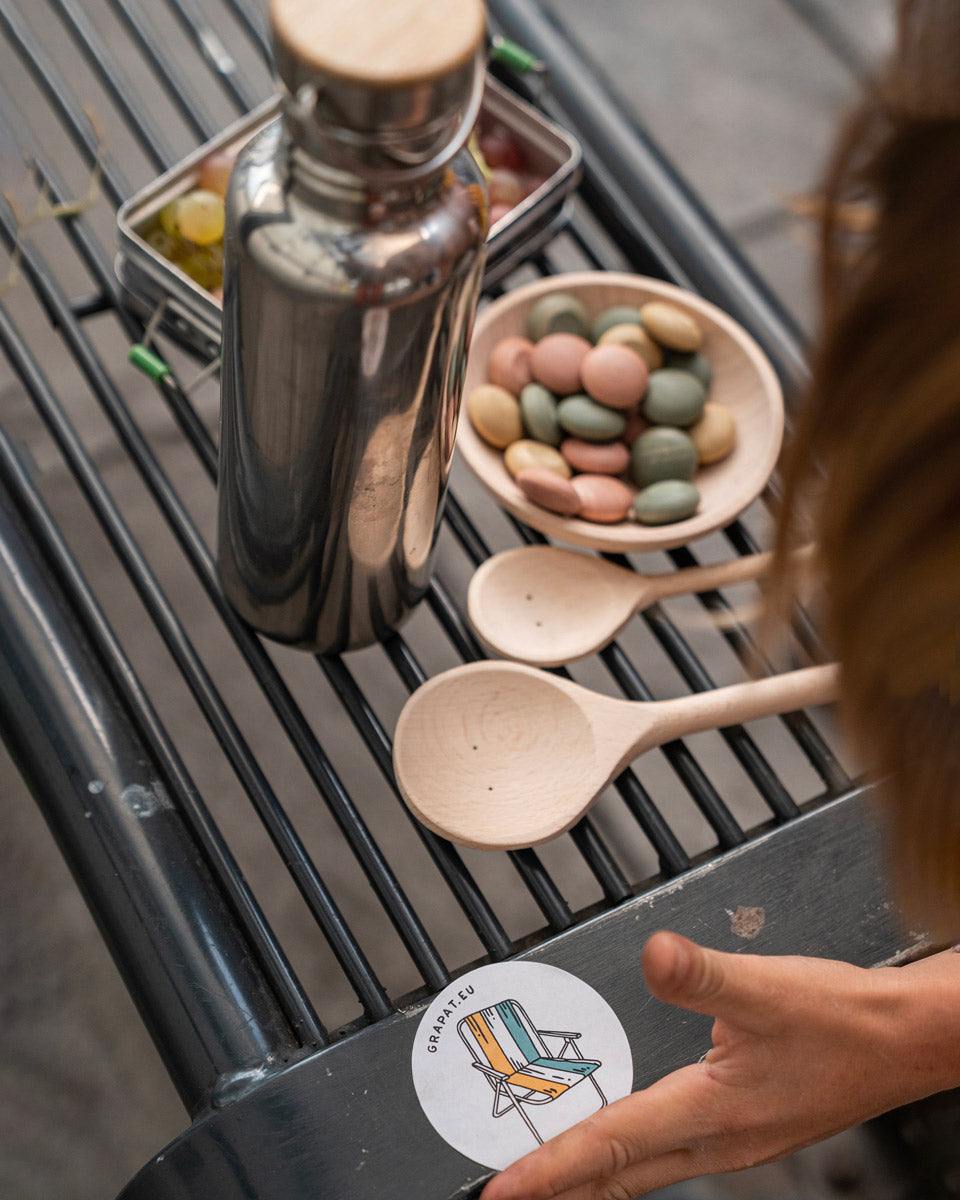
point(680, 972)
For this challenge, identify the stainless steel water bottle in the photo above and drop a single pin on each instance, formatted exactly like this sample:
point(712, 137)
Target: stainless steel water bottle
point(353, 254)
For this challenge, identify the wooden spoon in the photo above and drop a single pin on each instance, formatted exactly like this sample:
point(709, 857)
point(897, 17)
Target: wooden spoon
point(501, 756)
point(547, 606)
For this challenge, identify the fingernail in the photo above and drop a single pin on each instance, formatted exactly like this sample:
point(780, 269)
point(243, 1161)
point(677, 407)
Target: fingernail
point(682, 960)
point(495, 1190)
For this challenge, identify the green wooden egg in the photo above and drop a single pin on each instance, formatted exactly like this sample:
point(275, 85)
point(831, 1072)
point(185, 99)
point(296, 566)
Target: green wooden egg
point(663, 452)
point(666, 501)
point(673, 398)
point(585, 418)
point(538, 408)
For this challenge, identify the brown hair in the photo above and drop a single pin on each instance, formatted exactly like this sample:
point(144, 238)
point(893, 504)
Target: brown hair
point(874, 460)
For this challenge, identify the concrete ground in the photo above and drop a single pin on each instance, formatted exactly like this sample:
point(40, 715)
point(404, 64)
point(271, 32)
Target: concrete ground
point(744, 96)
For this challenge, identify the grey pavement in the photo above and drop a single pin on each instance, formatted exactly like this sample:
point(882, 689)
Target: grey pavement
point(744, 96)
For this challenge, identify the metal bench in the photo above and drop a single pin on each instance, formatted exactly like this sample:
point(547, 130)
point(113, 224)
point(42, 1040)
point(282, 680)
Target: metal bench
point(288, 1049)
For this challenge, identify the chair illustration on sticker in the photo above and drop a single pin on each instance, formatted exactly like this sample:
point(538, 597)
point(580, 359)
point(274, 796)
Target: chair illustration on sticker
point(516, 1062)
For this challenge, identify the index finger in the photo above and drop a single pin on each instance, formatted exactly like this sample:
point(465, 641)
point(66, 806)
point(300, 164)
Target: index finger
point(644, 1141)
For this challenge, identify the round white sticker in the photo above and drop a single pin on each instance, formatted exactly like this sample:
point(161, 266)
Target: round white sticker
point(512, 1054)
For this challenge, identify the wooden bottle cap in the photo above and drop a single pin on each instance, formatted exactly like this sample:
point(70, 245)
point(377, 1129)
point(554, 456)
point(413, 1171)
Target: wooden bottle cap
point(380, 43)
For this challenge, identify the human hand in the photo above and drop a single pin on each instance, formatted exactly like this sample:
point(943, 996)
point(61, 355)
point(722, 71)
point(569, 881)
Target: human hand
point(802, 1048)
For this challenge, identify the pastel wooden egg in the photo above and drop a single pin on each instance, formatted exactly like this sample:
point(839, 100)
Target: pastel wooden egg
point(602, 498)
point(695, 362)
point(556, 359)
point(670, 326)
point(509, 363)
point(495, 414)
point(585, 418)
point(662, 453)
point(616, 314)
point(636, 339)
point(538, 409)
point(715, 434)
point(525, 453)
point(549, 490)
point(557, 312)
point(614, 375)
point(673, 398)
point(666, 501)
point(596, 458)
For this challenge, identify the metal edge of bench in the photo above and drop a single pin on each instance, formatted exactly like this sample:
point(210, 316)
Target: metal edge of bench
point(164, 916)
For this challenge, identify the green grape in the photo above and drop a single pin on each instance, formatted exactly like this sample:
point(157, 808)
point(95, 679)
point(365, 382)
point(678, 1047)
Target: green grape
point(168, 218)
point(200, 216)
point(163, 242)
point(204, 265)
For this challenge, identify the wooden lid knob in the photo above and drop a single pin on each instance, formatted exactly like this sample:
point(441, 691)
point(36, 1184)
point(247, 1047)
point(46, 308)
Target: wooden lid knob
point(380, 43)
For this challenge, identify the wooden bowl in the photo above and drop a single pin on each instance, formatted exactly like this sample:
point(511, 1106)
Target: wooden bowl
point(743, 380)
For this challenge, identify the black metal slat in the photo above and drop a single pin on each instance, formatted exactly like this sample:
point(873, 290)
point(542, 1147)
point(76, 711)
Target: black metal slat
point(593, 247)
point(543, 889)
point(802, 729)
point(672, 857)
point(600, 861)
point(464, 530)
point(51, 82)
point(172, 78)
point(251, 19)
point(472, 901)
point(215, 54)
point(297, 1005)
point(136, 114)
point(88, 306)
point(803, 627)
point(689, 771)
point(453, 623)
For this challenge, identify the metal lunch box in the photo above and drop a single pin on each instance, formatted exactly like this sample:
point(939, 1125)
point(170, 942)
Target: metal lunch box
point(192, 315)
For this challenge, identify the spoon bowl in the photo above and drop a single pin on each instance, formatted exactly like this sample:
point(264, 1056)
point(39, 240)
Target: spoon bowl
point(501, 756)
point(548, 606)
point(478, 721)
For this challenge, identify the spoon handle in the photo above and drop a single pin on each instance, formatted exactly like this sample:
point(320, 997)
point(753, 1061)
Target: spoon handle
point(664, 720)
point(689, 580)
